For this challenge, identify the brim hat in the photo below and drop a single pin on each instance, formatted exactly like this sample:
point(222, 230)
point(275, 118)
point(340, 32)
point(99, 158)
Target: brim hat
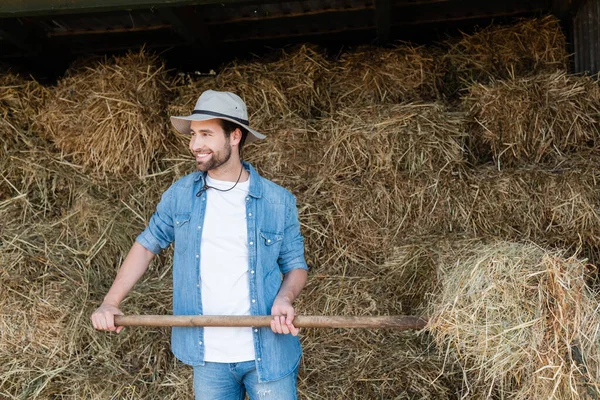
point(224, 105)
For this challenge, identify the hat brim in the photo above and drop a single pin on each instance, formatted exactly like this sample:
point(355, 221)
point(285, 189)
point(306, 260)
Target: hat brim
point(182, 125)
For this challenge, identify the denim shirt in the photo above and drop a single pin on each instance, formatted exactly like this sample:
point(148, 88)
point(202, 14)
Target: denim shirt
point(275, 247)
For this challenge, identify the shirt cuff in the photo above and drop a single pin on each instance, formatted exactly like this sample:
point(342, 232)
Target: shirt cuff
point(148, 240)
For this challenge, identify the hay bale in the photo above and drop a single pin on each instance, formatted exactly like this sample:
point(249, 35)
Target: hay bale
point(527, 47)
point(534, 118)
point(276, 90)
point(110, 116)
point(520, 320)
point(379, 141)
point(372, 75)
point(557, 207)
point(20, 101)
point(379, 170)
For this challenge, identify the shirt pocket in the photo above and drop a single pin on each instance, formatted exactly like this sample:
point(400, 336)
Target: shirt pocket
point(182, 231)
point(270, 247)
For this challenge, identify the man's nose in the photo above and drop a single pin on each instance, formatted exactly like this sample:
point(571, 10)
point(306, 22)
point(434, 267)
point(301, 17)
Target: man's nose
point(196, 142)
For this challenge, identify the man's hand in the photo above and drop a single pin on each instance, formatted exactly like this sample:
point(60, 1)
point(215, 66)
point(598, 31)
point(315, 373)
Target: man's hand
point(104, 318)
point(283, 317)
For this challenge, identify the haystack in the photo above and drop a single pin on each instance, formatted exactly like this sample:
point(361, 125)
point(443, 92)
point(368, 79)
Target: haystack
point(374, 75)
point(520, 320)
point(527, 47)
point(110, 116)
point(534, 118)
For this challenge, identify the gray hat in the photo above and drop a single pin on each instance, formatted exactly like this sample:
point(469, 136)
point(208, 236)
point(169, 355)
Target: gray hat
point(212, 104)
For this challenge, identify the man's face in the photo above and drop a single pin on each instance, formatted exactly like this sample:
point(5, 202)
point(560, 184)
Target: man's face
point(210, 146)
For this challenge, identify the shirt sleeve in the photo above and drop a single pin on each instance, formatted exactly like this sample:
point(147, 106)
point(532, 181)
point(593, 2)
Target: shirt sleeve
point(291, 255)
point(159, 233)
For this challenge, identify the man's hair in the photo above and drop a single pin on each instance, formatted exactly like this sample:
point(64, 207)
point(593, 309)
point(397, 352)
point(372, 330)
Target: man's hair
point(228, 127)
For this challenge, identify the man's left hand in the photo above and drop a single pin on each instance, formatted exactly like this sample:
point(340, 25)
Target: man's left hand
point(283, 317)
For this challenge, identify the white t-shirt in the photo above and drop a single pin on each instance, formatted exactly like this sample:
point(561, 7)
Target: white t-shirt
point(224, 271)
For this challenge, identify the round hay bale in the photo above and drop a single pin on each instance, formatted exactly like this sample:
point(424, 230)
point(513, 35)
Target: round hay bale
point(110, 116)
point(520, 320)
point(533, 118)
point(373, 75)
point(527, 47)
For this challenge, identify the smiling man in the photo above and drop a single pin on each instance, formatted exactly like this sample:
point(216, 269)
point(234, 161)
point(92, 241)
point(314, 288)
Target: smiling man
point(238, 251)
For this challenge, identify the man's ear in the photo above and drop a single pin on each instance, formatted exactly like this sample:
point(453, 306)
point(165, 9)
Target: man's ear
point(236, 136)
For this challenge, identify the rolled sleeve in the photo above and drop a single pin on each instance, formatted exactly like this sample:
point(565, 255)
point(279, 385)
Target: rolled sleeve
point(292, 250)
point(159, 233)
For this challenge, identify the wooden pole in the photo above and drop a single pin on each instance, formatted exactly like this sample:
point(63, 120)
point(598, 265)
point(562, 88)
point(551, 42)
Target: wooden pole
point(397, 322)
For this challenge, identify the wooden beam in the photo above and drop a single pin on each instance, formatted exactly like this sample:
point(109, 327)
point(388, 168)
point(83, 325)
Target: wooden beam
point(26, 8)
point(15, 33)
point(564, 9)
point(383, 11)
point(464, 10)
point(192, 26)
point(179, 27)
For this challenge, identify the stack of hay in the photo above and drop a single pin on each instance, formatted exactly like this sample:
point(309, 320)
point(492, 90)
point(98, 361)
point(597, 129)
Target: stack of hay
point(386, 175)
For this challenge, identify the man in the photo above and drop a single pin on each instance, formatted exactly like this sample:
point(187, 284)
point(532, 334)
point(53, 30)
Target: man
point(235, 235)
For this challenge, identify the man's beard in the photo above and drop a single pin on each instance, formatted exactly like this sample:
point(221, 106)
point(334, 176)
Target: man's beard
point(217, 159)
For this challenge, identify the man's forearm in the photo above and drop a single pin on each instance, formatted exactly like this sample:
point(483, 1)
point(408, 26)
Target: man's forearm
point(136, 263)
point(292, 284)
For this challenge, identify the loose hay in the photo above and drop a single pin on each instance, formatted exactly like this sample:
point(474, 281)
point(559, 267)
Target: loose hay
point(530, 46)
point(534, 118)
point(374, 75)
point(520, 320)
point(109, 117)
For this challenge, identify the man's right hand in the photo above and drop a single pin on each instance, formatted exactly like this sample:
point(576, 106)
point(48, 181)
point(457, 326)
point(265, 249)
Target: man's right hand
point(104, 318)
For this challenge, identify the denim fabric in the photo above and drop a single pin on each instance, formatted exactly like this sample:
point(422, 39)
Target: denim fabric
point(275, 248)
point(231, 381)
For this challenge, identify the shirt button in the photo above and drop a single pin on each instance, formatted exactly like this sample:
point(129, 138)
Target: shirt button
point(256, 330)
point(199, 227)
point(258, 358)
point(252, 271)
point(251, 243)
point(197, 285)
point(204, 198)
point(177, 222)
point(249, 214)
point(200, 343)
point(247, 198)
point(269, 241)
point(197, 256)
point(254, 300)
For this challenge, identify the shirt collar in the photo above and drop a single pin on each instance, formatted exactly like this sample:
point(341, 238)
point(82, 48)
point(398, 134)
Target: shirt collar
point(255, 189)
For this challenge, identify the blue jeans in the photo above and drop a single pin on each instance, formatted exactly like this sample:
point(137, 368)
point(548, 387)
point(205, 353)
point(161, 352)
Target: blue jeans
point(231, 381)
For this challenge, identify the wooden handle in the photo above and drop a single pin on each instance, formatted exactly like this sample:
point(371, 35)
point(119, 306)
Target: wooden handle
point(305, 321)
